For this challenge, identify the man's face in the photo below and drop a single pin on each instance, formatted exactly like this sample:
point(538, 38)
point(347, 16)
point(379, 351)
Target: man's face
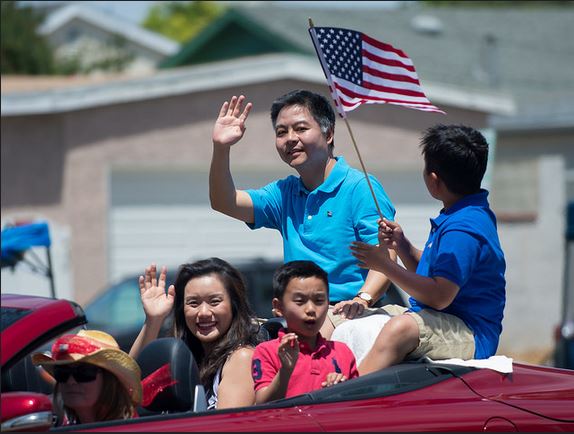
point(298, 138)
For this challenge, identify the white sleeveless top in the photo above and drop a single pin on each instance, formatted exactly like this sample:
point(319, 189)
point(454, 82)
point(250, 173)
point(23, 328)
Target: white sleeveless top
point(212, 393)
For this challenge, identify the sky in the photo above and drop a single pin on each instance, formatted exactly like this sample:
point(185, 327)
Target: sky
point(136, 11)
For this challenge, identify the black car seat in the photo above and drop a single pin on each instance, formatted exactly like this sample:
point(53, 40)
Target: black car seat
point(170, 378)
point(269, 329)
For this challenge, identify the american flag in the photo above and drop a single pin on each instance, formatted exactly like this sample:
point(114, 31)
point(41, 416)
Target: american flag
point(362, 70)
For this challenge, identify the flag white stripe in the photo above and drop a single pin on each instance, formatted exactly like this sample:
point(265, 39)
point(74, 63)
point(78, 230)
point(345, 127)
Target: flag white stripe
point(389, 69)
point(386, 54)
point(373, 93)
point(353, 103)
point(391, 83)
point(366, 100)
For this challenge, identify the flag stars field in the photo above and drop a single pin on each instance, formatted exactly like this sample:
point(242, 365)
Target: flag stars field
point(361, 70)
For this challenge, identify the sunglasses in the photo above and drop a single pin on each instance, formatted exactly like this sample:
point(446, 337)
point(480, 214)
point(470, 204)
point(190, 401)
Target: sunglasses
point(82, 373)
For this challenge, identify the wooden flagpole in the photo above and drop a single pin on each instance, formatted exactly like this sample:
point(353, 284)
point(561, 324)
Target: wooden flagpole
point(364, 169)
point(338, 102)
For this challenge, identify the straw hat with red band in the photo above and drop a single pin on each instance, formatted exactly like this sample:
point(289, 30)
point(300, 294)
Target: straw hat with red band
point(96, 348)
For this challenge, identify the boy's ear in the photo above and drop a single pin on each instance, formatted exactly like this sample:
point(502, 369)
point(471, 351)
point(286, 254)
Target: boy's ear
point(434, 176)
point(277, 309)
point(435, 180)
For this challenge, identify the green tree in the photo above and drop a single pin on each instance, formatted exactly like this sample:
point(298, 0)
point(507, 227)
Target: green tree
point(22, 50)
point(179, 20)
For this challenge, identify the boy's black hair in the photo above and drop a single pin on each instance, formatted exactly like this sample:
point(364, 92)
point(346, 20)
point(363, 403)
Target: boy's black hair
point(457, 154)
point(319, 107)
point(293, 269)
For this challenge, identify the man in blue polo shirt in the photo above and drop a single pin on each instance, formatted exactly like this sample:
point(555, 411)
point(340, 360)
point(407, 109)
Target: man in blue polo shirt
point(457, 283)
point(320, 212)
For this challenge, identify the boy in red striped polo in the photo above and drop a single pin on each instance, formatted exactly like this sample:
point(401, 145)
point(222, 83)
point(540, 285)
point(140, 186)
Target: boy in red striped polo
point(300, 359)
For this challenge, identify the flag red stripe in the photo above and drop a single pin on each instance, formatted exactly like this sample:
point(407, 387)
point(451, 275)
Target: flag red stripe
point(379, 88)
point(383, 46)
point(388, 62)
point(353, 94)
point(355, 103)
point(348, 106)
point(360, 92)
point(363, 99)
point(389, 76)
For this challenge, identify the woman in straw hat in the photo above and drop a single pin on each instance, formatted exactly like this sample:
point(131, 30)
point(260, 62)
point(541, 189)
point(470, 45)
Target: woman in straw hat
point(95, 380)
point(212, 316)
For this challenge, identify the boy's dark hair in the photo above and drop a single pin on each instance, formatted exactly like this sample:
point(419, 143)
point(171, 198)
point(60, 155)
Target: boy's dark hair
point(457, 154)
point(319, 107)
point(293, 269)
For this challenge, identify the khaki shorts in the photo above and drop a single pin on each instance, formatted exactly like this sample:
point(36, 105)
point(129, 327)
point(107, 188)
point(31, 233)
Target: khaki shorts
point(441, 335)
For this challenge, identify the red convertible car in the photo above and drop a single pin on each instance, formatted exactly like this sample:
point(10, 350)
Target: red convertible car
point(415, 396)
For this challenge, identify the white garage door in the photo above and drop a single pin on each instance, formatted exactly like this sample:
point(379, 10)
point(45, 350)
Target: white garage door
point(163, 216)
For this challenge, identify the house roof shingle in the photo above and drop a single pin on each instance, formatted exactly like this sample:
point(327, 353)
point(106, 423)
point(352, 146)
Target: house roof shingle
point(524, 52)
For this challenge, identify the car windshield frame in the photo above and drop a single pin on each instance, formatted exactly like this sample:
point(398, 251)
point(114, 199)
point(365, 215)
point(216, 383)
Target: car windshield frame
point(12, 314)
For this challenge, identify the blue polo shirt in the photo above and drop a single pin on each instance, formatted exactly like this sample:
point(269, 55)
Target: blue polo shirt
point(320, 225)
point(463, 247)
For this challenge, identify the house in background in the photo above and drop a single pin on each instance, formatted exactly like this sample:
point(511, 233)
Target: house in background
point(483, 50)
point(101, 41)
point(122, 164)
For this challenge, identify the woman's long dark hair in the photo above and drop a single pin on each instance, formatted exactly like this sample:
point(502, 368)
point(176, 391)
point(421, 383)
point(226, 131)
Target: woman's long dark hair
point(243, 329)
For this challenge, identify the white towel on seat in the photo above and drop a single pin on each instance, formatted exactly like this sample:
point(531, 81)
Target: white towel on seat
point(360, 334)
point(501, 364)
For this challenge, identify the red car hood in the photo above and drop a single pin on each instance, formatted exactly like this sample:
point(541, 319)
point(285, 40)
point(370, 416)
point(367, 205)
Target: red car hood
point(528, 387)
point(28, 319)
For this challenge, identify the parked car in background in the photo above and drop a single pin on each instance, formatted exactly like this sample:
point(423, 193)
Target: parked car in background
point(118, 309)
point(564, 350)
point(414, 396)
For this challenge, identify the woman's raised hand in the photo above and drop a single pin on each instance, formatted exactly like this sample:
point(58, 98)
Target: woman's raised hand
point(156, 302)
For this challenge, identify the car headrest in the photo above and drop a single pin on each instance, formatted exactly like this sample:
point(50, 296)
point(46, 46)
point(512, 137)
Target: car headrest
point(169, 376)
point(270, 328)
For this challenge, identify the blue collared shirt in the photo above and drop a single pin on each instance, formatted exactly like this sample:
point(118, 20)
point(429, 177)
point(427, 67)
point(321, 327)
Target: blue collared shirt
point(463, 247)
point(320, 225)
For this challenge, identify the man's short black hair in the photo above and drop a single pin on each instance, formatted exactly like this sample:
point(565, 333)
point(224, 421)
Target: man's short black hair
point(457, 154)
point(294, 269)
point(319, 107)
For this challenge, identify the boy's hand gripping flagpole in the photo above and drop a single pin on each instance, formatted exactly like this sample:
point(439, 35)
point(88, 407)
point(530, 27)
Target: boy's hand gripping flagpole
point(340, 110)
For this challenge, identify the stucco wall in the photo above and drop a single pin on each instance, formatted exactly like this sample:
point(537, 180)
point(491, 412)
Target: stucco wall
point(534, 252)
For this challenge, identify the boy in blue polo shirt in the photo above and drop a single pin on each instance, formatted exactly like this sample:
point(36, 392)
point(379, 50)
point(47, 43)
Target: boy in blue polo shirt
point(457, 283)
point(318, 213)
